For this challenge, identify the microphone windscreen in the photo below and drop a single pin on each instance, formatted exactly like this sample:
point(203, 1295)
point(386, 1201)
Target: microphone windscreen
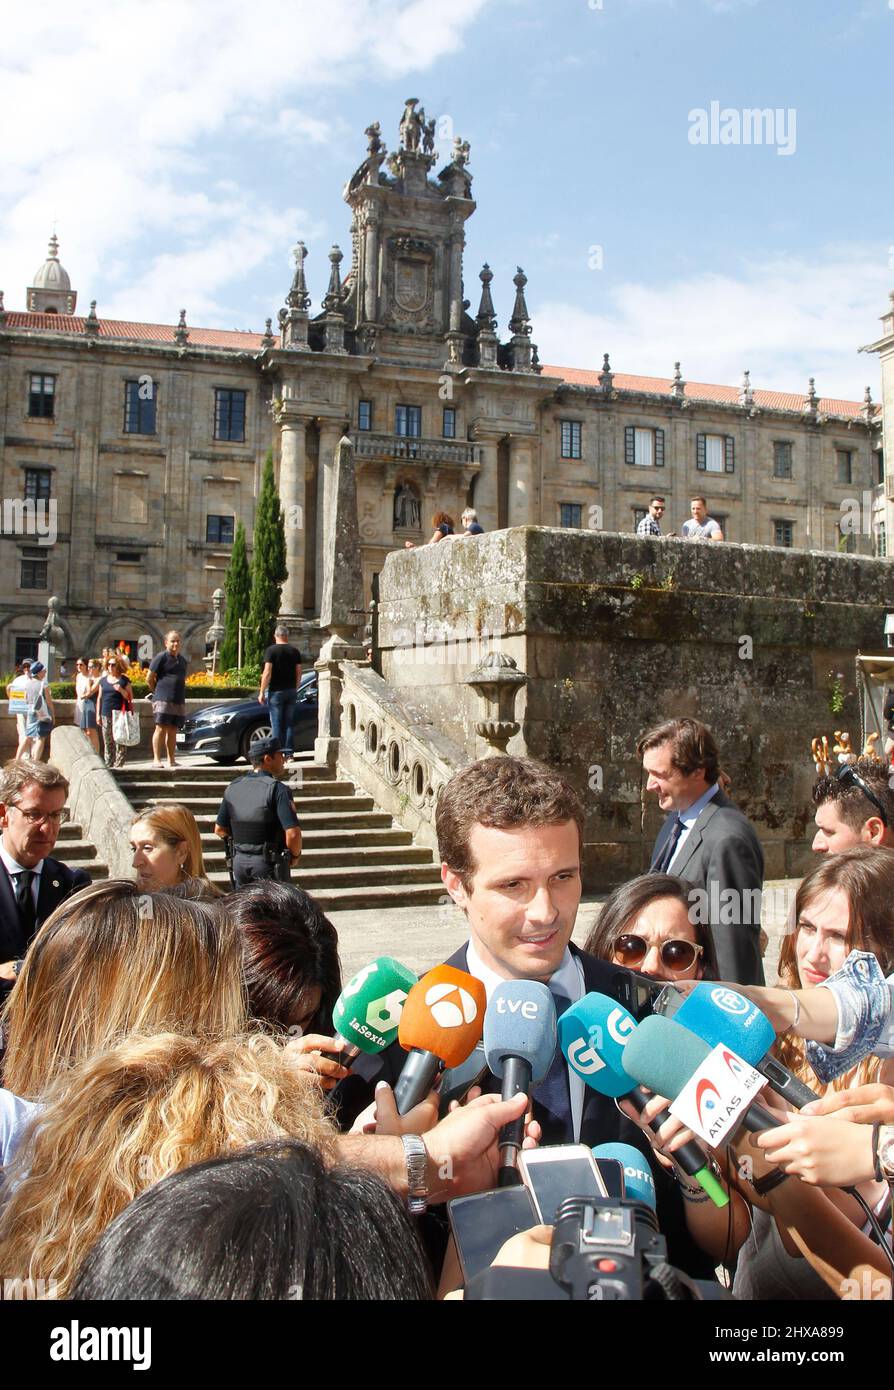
point(639, 1184)
point(662, 1055)
point(444, 1014)
point(717, 1014)
point(520, 1022)
point(367, 1012)
point(593, 1035)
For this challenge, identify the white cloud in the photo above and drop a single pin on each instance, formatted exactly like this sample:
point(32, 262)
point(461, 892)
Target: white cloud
point(784, 318)
point(117, 108)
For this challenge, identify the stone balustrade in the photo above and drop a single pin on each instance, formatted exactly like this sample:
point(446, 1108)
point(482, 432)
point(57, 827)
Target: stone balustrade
point(389, 447)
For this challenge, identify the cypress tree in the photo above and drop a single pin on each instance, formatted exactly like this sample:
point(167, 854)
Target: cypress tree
point(268, 568)
point(237, 586)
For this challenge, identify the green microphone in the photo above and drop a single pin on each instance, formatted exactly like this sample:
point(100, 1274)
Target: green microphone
point(368, 1010)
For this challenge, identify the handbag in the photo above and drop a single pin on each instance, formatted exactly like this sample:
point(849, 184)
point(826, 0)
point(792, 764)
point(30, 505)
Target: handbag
point(126, 725)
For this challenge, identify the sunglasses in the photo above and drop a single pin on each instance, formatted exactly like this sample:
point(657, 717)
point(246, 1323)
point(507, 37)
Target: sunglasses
point(631, 950)
point(848, 778)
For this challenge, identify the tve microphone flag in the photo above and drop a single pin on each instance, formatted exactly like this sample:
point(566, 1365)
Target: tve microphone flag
point(519, 1044)
point(639, 1184)
point(440, 1024)
point(718, 1014)
point(367, 1012)
point(594, 1035)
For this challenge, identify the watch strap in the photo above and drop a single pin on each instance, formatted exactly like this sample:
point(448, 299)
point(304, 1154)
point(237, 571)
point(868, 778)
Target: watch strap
point(416, 1156)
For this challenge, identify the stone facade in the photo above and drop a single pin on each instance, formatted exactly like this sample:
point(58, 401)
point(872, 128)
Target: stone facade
point(149, 439)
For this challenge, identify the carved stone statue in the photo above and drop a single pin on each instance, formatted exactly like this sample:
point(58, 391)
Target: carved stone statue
point(411, 125)
point(407, 513)
point(376, 145)
point(461, 152)
point(428, 137)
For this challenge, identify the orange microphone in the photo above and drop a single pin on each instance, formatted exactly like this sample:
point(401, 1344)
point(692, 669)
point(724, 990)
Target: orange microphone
point(442, 1021)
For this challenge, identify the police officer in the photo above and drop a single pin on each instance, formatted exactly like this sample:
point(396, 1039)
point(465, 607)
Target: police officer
point(258, 816)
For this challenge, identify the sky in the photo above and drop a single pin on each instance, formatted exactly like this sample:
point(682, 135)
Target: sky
point(180, 151)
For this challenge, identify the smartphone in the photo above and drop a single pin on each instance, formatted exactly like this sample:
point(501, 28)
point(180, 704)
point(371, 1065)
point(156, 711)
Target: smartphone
point(456, 1082)
point(551, 1175)
point(482, 1224)
point(636, 992)
point(668, 1001)
point(611, 1171)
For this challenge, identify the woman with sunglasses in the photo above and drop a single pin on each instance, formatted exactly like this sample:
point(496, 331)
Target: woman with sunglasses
point(646, 926)
point(86, 689)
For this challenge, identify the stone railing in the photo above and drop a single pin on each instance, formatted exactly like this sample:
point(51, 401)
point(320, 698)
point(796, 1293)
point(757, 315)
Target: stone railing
point(401, 446)
point(95, 800)
point(393, 752)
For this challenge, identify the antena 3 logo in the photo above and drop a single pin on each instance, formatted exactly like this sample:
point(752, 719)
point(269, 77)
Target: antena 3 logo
point(450, 1005)
point(729, 1001)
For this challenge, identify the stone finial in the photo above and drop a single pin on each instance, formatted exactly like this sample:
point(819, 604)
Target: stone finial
point(52, 631)
point(811, 400)
point(486, 317)
point(268, 340)
point(375, 146)
point(332, 299)
point(298, 298)
point(497, 681)
point(2, 309)
point(181, 332)
point(520, 323)
point(868, 406)
point(746, 391)
point(678, 385)
point(342, 573)
point(606, 376)
point(91, 322)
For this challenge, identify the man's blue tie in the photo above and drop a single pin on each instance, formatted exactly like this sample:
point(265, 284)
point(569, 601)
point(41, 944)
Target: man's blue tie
point(662, 863)
point(552, 1093)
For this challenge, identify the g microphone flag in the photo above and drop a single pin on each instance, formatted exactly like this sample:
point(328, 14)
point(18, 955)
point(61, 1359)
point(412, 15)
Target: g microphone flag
point(593, 1034)
point(368, 1010)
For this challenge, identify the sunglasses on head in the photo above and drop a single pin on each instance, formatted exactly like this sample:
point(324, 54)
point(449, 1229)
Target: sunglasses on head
point(631, 950)
point(848, 778)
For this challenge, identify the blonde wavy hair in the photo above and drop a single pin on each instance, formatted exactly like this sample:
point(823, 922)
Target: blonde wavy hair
point(176, 825)
point(111, 961)
point(119, 1121)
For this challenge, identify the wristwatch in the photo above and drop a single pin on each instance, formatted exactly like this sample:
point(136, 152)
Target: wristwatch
point(416, 1155)
point(884, 1152)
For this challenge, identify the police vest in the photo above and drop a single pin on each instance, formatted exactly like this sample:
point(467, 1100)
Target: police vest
point(252, 806)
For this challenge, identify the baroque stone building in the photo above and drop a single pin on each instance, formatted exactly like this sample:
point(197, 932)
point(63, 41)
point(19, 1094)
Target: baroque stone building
point(129, 450)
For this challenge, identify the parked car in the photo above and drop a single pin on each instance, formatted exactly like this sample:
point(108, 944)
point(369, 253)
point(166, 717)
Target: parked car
point(225, 732)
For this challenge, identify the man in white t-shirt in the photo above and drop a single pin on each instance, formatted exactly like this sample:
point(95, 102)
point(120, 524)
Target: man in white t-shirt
point(14, 693)
point(700, 526)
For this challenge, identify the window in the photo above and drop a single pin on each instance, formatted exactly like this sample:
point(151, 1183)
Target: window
point(42, 397)
point(644, 448)
point(449, 430)
point(139, 406)
point(878, 459)
point(723, 522)
point(219, 529)
point(570, 514)
point(128, 557)
point(364, 415)
point(38, 484)
point(784, 533)
point(782, 458)
point(881, 541)
point(570, 439)
point(639, 514)
point(715, 453)
point(408, 421)
point(229, 415)
point(844, 466)
point(34, 570)
point(26, 649)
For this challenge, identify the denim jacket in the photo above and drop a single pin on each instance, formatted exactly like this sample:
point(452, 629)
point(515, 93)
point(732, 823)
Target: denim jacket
point(865, 1017)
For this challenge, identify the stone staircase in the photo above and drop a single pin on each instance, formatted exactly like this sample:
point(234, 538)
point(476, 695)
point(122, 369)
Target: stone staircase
point(353, 856)
point(72, 849)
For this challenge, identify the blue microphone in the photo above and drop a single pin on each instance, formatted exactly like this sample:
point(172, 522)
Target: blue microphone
point(639, 1184)
point(717, 1014)
point(593, 1035)
point(519, 1045)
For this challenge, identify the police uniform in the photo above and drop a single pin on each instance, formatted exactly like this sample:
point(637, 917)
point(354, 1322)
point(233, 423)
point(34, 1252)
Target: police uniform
point(255, 812)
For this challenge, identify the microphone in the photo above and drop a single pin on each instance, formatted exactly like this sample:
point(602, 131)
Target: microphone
point(367, 1012)
point(639, 1184)
point(718, 1014)
point(663, 1056)
point(519, 1044)
point(440, 1024)
point(594, 1035)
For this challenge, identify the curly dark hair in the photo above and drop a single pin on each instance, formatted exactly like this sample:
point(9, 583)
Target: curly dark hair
point(854, 807)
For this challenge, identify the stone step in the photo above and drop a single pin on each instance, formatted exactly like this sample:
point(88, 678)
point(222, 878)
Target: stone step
point(351, 898)
point(361, 875)
point(386, 856)
point(144, 789)
point(74, 851)
point(310, 771)
point(342, 821)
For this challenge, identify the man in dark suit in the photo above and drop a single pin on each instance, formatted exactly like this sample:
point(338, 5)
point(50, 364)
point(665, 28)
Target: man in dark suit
point(509, 836)
point(707, 841)
point(32, 885)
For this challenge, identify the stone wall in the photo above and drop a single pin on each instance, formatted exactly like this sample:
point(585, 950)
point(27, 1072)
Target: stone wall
point(96, 801)
point(617, 634)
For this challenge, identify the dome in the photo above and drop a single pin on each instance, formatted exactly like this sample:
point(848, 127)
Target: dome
point(52, 276)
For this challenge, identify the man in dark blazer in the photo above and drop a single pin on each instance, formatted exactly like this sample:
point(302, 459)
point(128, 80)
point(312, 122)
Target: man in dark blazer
point(509, 836)
point(32, 884)
point(707, 841)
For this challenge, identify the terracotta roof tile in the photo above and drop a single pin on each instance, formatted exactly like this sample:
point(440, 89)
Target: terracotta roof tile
point(702, 391)
point(140, 332)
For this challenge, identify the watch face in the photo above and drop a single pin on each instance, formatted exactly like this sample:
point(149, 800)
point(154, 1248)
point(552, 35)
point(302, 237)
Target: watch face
point(886, 1150)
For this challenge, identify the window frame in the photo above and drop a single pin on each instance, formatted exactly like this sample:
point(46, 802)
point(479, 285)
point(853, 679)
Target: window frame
point(364, 408)
point(779, 521)
point(230, 391)
point(133, 399)
point(32, 562)
point(574, 447)
point(448, 416)
point(568, 525)
point(783, 459)
point(842, 454)
point(701, 453)
point(48, 398)
point(218, 517)
point(44, 475)
point(408, 414)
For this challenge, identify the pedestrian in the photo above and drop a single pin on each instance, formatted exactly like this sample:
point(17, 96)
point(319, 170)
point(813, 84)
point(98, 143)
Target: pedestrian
point(651, 522)
point(442, 523)
point(15, 693)
point(700, 526)
point(471, 524)
point(86, 688)
point(167, 684)
point(279, 687)
point(40, 714)
point(257, 816)
point(115, 693)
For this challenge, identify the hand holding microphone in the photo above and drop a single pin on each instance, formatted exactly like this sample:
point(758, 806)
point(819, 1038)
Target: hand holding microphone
point(519, 1044)
point(440, 1024)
